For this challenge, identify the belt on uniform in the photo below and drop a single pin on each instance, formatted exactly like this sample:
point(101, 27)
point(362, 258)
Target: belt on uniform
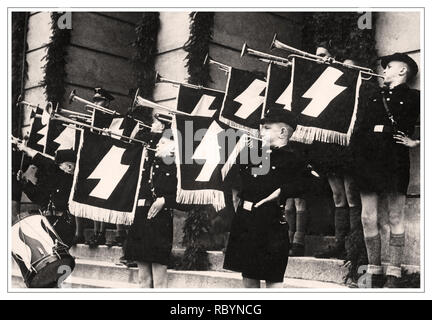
point(382, 128)
point(144, 203)
point(246, 205)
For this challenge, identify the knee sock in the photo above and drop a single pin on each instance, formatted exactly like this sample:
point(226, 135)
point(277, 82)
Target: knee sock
point(341, 223)
point(396, 251)
point(373, 246)
point(355, 218)
point(301, 221)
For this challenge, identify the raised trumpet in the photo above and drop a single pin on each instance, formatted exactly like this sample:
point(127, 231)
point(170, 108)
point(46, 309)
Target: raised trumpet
point(141, 102)
point(29, 104)
point(296, 52)
point(74, 97)
point(209, 60)
point(265, 57)
point(276, 44)
point(160, 79)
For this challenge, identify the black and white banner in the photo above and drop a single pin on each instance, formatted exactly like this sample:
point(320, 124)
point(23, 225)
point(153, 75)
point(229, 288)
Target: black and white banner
point(61, 137)
point(242, 107)
point(119, 124)
point(325, 100)
point(39, 130)
point(279, 88)
point(106, 179)
point(199, 161)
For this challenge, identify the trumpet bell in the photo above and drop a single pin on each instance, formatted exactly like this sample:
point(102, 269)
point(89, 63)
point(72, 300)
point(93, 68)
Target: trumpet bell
point(244, 49)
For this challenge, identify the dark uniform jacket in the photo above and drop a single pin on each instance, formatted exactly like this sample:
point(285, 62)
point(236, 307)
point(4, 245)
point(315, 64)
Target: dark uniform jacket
point(287, 171)
point(258, 245)
point(52, 184)
point(382, 165)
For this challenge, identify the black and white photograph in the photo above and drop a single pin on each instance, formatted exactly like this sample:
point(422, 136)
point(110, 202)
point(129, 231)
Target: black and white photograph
point(215, 149)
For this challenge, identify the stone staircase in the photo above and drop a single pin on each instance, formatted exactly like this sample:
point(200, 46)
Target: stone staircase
point(99, 268)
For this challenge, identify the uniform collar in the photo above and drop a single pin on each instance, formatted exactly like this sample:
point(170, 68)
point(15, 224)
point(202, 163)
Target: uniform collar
point(399, 87)
point(286, 147)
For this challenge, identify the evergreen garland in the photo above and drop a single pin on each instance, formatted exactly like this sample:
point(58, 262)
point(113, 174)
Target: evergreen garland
point(54, 81)
point(197, 47)
point(197, 221)
point(145, 46)
point(19, 46)
point(342, 31)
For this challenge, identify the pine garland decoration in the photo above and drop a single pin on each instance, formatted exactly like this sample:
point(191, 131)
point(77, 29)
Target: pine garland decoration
point(19, 47)
point(197, 221)
point(54, 81)
point(197, 47)
point(143, 60)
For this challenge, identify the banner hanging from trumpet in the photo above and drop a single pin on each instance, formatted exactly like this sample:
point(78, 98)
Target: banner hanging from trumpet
point(123, 125)
point(61, 137)
point(39, 129)
point(244, 99)
point(279, 88)
point(199, 160)
point(325, 100)
point(106, 180)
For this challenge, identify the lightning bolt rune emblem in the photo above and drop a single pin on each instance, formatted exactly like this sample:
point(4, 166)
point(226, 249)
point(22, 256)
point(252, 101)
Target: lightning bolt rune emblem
point(115, 127)
point(286, 98)
point(250, 99)
point(322, 92)
point(202, 109)
point(208, 151)
point(66, 139)
point(44, 131)
point(110, 171)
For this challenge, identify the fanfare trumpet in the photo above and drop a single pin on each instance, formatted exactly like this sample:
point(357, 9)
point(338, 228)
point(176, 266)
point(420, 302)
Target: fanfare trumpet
point(209, 60)
point(160, 79)
point(296, 52)
point(29, 104)
point(141, 102)
point(106, 131)
point(74, 97)
point(265, 57)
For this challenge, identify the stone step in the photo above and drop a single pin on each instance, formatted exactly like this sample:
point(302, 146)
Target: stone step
point(313, 244)
point(93, 274)
point(307, 268)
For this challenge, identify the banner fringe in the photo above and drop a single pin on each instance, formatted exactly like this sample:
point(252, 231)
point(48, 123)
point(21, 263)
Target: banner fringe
point(81, 210)
point(308, 135)
point(202, 197)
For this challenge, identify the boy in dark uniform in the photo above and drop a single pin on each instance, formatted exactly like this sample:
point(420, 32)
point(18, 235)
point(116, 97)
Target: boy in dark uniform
point(150, 237)
point(50, 188)
point(258, 245)
point(381, 151)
